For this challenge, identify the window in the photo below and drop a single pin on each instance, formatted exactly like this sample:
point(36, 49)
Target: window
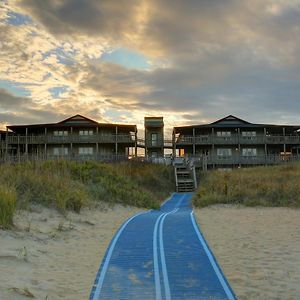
point(249, 134)
point(224, 152)
point(60, 132)
point(86, 132)
point(224, 133)
point(59, 151)
point(86, 150)
point(154, 139)
point(249, 152)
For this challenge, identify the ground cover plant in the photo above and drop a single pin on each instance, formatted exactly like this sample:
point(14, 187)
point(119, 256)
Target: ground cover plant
point(265, 186)
point(67, 185)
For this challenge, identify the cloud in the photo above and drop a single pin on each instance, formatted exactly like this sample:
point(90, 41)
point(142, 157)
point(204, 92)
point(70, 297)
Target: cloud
point(208, 58)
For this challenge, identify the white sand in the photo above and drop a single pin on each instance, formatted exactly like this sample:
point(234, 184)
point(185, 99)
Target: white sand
point(258, 249)
point(61, 255)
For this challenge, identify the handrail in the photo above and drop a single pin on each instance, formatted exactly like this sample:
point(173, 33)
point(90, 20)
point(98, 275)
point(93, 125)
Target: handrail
point(237, 139)
point(72, 138)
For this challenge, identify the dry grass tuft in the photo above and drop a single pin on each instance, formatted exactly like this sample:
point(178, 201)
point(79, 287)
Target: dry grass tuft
point(264, 186)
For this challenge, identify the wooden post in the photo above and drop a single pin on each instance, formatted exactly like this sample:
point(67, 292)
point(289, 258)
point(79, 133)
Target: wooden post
point(6, 144)
point(194, 142)
point(135, 143)
point(174, 142)
point(97, 142)
point(71, 144)
point(239, 147)
point(284, 144)
point(266, 148)
point(213, 146)
point(45, 146)
point(26, 142)
point(116, 143)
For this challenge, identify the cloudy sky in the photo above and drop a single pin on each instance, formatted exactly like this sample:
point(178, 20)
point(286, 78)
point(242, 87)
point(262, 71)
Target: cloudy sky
point(191, 61)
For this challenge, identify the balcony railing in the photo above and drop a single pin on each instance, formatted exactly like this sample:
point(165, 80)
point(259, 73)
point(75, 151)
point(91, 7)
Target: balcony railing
point(243, 160)
point(237, 139)
point(52, 139)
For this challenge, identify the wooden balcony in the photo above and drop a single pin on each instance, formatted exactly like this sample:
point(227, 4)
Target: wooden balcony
point(81, 139)
point(237, 139)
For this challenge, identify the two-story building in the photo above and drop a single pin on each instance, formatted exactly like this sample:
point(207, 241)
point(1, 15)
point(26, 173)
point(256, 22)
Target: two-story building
point(233, 141)
point(77, 137)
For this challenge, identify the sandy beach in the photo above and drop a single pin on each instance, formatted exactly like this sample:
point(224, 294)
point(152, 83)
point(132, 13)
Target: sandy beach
point(257, 248)
point(53, 257)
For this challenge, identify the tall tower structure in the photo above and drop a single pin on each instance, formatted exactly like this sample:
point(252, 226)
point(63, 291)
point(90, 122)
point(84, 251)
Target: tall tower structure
point(154, 136)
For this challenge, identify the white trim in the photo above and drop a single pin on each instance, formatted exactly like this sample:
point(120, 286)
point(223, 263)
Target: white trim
point(99, 284)
point(212, 260)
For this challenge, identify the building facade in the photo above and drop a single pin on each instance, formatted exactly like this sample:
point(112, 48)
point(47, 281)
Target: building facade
point(154, 137)
point(234, 142)
point(77, 137)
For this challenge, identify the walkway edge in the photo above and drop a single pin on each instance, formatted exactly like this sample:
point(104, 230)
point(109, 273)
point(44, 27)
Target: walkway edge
point(102, 270)
point(229, 292)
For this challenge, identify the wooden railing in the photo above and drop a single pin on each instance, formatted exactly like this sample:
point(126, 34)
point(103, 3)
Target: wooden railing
point(52, 139)
point(244, 160)
point(238, 139)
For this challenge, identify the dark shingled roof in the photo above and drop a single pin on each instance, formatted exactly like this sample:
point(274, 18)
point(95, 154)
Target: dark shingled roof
point(75, 121)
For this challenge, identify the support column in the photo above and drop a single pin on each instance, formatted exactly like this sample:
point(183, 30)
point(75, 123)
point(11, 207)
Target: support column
point(116, 143)
point(6, 144)
point(45, 145)
point(97, 142)
point(26, 141)
point(266, 149)
point(213, 146)
point(284, 144)
point(71, 144)
point(135, 143)
point(194, 142)
point(174, 143)
point(239, 147)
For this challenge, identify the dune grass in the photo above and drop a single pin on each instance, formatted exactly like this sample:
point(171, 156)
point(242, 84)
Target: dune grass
point(71, 185)
point(259, 186)
point(7, 206)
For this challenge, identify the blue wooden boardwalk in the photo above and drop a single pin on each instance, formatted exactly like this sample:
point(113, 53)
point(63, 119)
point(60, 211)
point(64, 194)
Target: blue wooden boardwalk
point(161, 254)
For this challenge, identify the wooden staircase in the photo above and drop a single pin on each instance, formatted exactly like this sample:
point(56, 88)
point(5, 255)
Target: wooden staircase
point(185, 176)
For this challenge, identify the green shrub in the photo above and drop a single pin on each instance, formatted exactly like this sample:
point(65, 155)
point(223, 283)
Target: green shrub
point(7, 206)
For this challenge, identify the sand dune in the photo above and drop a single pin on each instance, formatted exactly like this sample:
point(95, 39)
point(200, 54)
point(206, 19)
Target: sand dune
point(257, 248)
point(51, 256)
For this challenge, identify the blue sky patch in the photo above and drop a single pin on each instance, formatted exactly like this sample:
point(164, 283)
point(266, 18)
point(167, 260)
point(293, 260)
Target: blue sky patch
point(17, 89)
point(127, 58)
point(17, 19)
point(63, 57)
point(56, 91)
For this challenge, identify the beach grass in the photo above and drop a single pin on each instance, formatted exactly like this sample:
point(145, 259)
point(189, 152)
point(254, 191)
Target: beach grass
point(8, 200)
point(67, 185)
point(258, 186)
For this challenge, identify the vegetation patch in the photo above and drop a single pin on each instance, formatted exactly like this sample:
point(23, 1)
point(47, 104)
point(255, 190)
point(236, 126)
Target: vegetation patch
point(71, 185)
point(259, 186)
point(8, 200)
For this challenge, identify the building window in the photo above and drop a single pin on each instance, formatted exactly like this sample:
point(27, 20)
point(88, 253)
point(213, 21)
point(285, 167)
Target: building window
point(86, 150)
point(249, 152)
point(154, 139)
point(60, 151)
point(86, 132)
point(224, 152)
point(60, 133)
point(224, 133)
point(249, 134)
